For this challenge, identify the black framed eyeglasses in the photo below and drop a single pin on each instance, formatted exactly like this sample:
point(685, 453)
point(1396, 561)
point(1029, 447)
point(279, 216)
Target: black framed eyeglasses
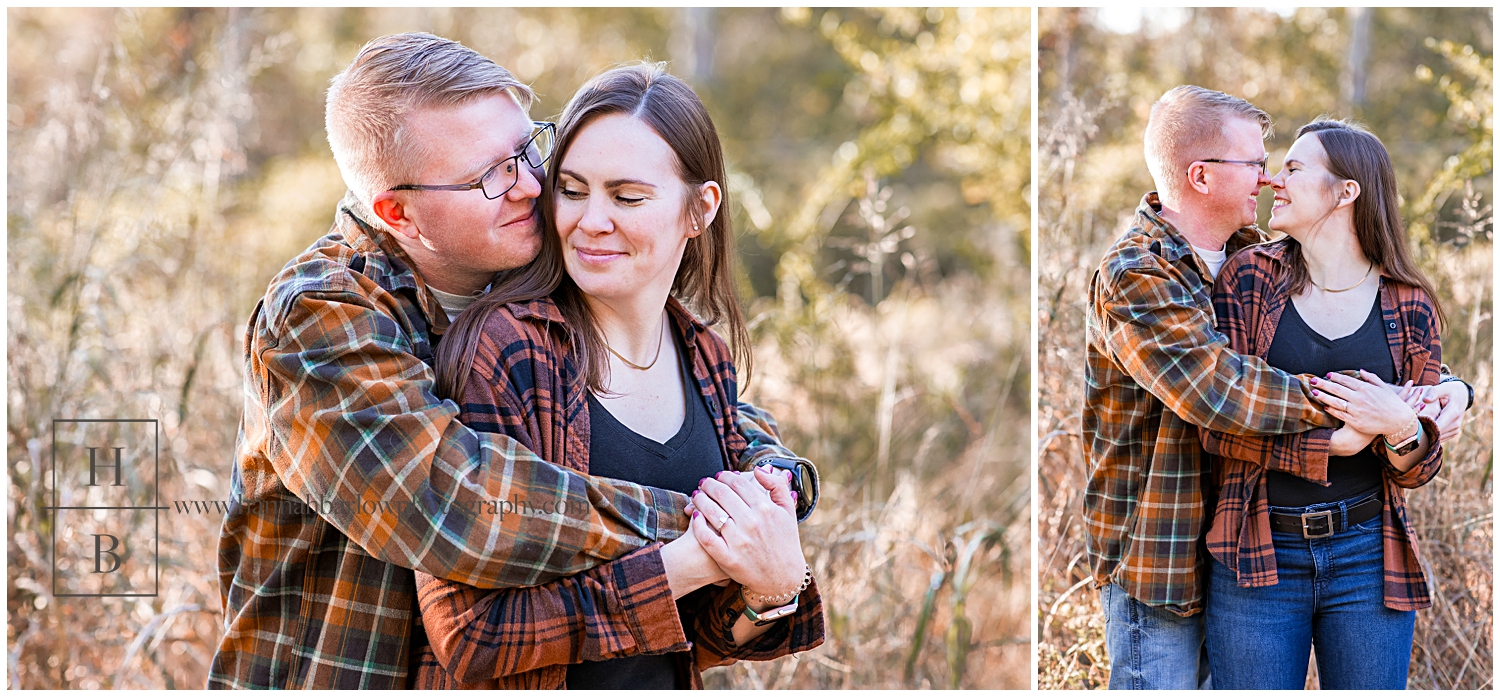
point(1258, 164)
point(499, 179)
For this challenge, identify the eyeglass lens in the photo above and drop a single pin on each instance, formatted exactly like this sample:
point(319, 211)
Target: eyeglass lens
point(503, 177)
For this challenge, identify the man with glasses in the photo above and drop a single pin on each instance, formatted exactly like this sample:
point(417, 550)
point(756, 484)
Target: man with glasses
point(349, 472)
point(1157, 371)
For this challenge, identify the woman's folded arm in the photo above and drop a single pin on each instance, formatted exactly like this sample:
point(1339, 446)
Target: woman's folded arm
point(621, 608)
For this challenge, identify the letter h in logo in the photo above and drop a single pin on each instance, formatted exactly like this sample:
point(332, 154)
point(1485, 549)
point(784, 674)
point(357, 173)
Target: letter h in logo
point(105, 506)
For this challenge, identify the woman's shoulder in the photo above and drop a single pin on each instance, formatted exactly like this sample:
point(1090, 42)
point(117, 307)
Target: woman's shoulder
point(1258, 266)
point(1413, 302)
point(688, 323)
point(515, 331)
point(1268, 256)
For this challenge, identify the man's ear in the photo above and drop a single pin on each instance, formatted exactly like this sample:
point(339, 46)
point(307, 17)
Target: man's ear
point(1197, 177)
point(393, 213)
point(710, 196)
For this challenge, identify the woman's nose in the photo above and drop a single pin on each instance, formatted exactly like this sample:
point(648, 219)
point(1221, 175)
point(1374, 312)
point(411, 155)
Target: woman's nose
point(595, 220)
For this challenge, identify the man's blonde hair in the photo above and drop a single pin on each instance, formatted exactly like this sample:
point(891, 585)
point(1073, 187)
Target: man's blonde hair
point(1187, 125)
point(368, 103)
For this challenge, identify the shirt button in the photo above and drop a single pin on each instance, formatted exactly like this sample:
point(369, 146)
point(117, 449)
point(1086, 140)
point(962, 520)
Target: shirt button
point(1392, 325)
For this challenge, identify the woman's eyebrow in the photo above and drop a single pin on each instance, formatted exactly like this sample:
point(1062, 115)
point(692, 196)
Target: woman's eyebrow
point(613, 183)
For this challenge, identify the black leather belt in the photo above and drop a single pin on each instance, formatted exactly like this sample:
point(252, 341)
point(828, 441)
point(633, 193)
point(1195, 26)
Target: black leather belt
point(1317, 524)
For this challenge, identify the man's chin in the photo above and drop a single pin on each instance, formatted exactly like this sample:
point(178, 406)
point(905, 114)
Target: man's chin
point(523, 252)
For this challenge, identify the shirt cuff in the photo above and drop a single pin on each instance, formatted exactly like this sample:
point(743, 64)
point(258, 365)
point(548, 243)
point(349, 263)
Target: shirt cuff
point(646, 599)
point(671, 519)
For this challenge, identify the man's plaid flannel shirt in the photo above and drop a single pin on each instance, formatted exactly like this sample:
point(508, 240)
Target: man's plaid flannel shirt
point(340, 417)
point(525, 384)
point(1249, 298)
point(1156, 371)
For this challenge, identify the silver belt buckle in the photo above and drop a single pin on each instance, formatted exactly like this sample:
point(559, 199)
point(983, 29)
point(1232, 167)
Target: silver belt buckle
point(1327, 520)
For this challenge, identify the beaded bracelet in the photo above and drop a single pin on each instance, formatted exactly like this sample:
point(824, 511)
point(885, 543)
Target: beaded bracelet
point(781, 599)
point(1408, 439)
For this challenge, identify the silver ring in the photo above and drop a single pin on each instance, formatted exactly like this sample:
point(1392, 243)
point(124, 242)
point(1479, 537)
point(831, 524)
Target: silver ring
point(724, 520)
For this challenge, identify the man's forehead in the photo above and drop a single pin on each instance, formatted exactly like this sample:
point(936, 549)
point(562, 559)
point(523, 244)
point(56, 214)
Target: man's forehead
point(473, 134)
point(1245, 137)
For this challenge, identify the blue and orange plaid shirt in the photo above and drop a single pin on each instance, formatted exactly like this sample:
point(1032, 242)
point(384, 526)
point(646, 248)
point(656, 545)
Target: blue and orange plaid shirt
point(525, 384)
point(1156, 372)
point(1249, 298)
point(349, 473)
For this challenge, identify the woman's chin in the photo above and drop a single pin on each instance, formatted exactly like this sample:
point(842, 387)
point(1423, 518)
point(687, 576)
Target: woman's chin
point(1278, 224)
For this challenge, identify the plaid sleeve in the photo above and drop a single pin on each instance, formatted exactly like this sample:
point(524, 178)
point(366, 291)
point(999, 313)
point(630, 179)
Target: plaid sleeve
point(715, 609)
point(1303, 454)
point(623, 608)
point(1424, 367)
point(358, 432)
point(1162, 338)
point(762, 438)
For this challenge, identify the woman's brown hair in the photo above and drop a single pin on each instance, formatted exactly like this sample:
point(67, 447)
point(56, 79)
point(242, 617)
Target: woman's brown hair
point(704, 281)
point(1355, 153)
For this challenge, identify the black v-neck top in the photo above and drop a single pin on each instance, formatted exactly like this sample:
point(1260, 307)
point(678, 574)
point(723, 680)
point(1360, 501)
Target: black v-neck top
point(1297, 348)
point(617, 452)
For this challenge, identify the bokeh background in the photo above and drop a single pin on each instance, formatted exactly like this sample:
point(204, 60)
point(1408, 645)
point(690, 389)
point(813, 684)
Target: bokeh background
point(164, 164)
point(1421, 80)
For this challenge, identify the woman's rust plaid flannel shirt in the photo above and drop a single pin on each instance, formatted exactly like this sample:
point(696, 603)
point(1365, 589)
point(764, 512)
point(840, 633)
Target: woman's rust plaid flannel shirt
point(1249, 298)
point(525, 385)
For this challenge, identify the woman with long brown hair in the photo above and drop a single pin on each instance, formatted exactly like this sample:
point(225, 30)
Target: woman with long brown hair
point(1311, 542)
point(595, 357)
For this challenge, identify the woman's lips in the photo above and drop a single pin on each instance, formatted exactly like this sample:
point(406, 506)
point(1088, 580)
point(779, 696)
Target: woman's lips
point(597, 256)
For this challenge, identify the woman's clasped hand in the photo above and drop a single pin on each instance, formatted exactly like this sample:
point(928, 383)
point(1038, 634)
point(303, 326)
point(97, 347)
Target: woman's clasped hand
point(1367, 404)
point(747, 524)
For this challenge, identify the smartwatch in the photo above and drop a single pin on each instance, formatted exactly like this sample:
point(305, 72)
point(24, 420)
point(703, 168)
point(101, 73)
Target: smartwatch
point(804, 481)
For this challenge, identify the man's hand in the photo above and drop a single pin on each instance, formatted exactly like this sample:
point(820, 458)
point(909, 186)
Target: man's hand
point(1451, 400)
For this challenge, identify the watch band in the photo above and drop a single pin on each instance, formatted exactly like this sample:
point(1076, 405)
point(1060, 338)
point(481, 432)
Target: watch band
point(1407, 444)
point(761, 619)
point(1448, 377)
point(804, 481)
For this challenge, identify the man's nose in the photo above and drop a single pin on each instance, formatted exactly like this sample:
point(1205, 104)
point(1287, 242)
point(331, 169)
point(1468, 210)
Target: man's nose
point(529, 184)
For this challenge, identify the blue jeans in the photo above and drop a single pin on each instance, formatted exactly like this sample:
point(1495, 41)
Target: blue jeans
point(1328, 597)
point(1151, 648)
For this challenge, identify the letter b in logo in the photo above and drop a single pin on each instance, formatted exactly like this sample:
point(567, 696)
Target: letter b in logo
point(105, 508)
point(100, 553)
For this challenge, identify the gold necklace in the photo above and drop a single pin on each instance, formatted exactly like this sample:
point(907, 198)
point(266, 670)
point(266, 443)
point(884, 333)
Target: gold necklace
point(626, 361)
point(1329, 290)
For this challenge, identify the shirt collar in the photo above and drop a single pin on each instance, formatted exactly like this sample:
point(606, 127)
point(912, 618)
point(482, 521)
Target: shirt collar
point(398, 271)
point(1174, 245)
